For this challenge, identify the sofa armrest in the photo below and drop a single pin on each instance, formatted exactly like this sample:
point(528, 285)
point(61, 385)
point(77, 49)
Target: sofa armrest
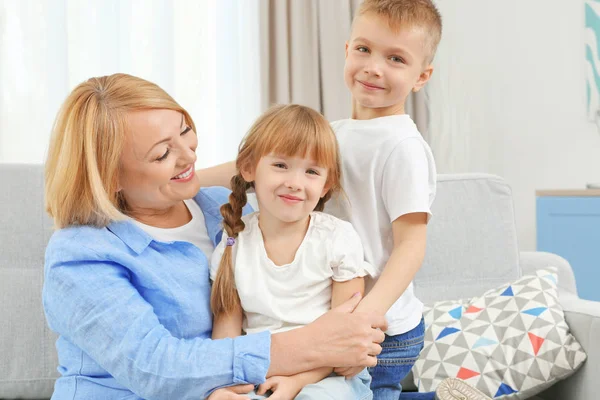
point(531, 261)
point(583, 317)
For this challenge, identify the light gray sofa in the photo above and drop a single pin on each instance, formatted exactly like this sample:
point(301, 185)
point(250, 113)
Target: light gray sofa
point(471, 248)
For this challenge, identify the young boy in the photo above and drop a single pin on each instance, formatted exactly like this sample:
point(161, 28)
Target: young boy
point(389, 172)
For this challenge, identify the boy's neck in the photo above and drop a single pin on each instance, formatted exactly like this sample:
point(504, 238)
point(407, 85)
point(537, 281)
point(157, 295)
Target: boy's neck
point(363, 113)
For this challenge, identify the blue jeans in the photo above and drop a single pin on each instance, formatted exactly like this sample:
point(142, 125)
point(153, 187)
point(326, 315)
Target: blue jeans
point(333, 387)
point(398, 355)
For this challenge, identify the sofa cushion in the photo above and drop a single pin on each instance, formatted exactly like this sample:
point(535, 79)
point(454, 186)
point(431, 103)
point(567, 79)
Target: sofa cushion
point(512, 341)
point(28, 362)
point(471, 239)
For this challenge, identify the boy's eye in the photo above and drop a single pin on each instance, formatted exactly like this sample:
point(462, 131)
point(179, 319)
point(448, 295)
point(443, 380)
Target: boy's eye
point(362, 49)
point(164, 156)
point(397, 59)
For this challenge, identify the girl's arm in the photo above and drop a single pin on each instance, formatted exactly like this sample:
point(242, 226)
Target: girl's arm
point(340, 338)
point(219, 175)
point(291, 386)
point(342, 291)
point(229, 325)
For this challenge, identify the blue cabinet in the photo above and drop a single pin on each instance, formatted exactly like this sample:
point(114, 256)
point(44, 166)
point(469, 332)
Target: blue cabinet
point(568, 224)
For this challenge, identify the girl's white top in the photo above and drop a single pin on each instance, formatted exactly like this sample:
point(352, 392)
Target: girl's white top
point(280, 298)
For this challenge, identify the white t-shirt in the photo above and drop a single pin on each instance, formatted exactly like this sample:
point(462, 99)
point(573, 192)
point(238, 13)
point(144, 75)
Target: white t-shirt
point(280, 298)
point(193, 232)
point(388, 170)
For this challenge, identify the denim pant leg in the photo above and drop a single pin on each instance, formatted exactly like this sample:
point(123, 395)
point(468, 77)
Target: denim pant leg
point(397, 358)
point(337, 387)
point(333, 388)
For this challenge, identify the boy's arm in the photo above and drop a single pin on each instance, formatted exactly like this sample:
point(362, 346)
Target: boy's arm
point(228, 325)
point(219, 175)
point(410, 234)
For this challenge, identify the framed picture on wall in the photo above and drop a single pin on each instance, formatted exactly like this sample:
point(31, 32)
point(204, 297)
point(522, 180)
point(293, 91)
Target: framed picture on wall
point(592, 59)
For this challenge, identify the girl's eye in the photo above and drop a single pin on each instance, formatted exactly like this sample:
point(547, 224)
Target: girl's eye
point(397, 59)
point(312, 172)
point(362, 49)
point(279, 165)
point(186, 130)
point(164, 156)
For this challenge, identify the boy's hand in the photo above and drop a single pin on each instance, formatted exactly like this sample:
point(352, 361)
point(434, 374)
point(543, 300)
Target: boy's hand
point(231, 393)
point(283, 387)
point(348, 372)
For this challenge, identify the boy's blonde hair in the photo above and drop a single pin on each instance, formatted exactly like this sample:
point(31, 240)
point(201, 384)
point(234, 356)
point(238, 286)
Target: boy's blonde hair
point(415, 13)
point(82, 167)
point(290, 130)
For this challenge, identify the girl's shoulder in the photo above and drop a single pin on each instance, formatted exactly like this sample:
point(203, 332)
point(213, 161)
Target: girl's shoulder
point(328, 224)
point(250, 224)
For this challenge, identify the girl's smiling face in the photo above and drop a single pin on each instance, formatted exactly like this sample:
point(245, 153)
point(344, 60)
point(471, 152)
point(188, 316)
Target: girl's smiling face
point(288, 188)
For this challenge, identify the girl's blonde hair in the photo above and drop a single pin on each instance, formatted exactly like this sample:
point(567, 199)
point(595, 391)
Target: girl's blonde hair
point(290, 130)
point(82, 168)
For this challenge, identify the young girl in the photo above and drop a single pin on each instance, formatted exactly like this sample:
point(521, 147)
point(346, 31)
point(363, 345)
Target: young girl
point(286, 265)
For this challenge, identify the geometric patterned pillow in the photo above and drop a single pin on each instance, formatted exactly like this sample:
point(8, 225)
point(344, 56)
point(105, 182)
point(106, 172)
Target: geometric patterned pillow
point(510, 343)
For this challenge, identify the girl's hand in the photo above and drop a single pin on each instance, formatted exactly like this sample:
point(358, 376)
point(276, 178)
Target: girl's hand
point(283, 387)
point(348, 372)
point(231, 393)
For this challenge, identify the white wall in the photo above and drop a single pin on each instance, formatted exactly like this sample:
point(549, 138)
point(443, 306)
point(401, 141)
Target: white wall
point(508, 98)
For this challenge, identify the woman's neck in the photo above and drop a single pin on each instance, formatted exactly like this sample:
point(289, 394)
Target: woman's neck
point(282, 239)
point(172, 217)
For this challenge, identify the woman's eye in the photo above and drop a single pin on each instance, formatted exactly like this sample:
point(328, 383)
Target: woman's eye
point(362, 49)
point(186, 130)
point(164, 156)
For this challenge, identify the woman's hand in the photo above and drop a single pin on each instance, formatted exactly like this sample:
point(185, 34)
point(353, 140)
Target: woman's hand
point(231, 393)
point(283, 387)
point(339, 338)
point(347, 339)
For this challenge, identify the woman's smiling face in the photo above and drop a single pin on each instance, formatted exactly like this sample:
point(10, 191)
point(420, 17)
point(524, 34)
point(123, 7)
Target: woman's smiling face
point(157, 161)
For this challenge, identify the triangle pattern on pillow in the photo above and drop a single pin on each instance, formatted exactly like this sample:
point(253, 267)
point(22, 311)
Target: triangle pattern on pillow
point(508, 340)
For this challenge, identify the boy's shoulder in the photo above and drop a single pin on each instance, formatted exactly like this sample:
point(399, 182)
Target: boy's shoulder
point(383, 135)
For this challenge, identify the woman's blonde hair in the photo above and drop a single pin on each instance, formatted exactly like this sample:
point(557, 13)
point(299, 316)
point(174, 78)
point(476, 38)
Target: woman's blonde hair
point(290, 130)
point(85, 148)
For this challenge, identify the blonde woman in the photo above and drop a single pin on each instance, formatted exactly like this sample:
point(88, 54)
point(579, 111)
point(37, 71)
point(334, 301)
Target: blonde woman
point(126, 273)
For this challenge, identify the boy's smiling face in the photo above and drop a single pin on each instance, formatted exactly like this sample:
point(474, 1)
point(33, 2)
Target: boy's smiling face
point(383, 66)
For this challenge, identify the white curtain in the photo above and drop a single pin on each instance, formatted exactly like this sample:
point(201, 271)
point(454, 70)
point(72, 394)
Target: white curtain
point(204, 53)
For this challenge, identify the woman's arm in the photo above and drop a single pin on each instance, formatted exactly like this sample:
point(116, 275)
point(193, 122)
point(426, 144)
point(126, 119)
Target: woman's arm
point(339, 338)
point(219, 175)
point(93, 304)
